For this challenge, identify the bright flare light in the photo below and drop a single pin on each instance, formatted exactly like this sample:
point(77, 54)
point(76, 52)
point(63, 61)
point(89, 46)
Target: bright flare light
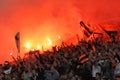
point(59, 37)
point(38, 47)
point(28, 46)
point(11, 54)
point(33, 49)
point(49, 41)
point(45, 44)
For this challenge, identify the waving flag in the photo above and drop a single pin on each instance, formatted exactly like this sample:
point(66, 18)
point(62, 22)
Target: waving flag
point(83, 58)
point(17, 39)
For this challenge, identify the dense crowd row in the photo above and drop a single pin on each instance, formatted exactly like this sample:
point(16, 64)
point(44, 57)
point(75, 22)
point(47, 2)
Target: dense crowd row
point(64, 63)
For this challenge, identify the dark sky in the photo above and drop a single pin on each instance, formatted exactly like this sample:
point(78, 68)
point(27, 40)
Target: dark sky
point(38, 20)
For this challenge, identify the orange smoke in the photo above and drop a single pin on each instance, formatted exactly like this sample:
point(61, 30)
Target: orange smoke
point(38, 19)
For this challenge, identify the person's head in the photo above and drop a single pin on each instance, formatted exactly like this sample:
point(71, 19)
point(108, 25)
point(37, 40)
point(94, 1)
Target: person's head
point(70, 74)
point(13, 78)
point(98, 75)
point(118, 77)
point(105, 79)
point(26, 70)
point(95, 63)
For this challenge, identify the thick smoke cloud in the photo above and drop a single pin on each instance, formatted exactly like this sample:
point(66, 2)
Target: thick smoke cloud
point(38, 19)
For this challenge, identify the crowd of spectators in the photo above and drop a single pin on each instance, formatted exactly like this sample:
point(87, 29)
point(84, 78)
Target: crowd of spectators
point(64, 63)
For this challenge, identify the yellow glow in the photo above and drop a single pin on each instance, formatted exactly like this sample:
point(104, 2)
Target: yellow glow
point(28, 46)
point(33, 49)
point(45, 44)
point(38, 47)
point(49, 41)
point(59, 37)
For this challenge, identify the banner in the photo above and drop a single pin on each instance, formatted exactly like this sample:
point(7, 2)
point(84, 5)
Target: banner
point(17, 39)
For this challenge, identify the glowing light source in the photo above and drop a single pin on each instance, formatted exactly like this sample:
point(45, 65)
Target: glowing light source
point(49, 41)
point(28, 46)
point(33, 49)
point(45, 44)
point(38, 47)
point(59, 37)
point(11, 54)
